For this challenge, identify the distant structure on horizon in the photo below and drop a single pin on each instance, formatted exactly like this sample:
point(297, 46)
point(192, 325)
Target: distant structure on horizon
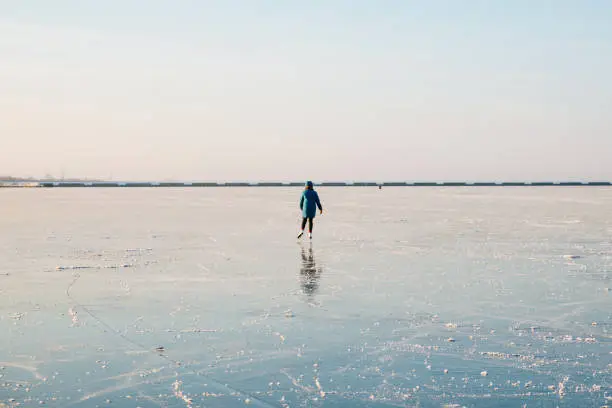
point(47, 178)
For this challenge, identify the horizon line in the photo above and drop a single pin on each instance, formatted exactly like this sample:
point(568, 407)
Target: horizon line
point(101, 183)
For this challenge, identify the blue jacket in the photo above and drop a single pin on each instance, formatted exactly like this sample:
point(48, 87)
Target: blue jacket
point(309, 203)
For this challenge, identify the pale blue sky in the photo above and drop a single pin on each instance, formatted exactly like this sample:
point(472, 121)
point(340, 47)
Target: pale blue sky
point(279, 90)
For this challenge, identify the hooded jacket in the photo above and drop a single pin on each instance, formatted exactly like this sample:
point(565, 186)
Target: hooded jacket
point(309, 202)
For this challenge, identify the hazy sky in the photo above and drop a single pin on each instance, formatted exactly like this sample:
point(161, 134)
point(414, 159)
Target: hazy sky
point(318, 89)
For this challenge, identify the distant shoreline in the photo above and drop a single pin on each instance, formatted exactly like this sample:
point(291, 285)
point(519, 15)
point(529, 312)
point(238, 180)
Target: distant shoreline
point(153, 184)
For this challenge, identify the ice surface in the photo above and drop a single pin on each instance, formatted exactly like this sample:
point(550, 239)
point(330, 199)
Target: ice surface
point(423, 297)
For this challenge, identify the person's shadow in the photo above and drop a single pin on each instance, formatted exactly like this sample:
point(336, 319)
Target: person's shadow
point(310, 274)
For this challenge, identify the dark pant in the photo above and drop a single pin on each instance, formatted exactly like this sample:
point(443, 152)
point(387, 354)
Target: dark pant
point(309, 223)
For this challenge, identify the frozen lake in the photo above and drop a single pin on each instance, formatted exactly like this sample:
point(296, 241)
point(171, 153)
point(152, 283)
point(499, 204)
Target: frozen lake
point(425, 297)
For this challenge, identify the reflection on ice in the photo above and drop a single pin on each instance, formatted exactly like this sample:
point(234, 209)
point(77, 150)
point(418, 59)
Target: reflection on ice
point(310, 274)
